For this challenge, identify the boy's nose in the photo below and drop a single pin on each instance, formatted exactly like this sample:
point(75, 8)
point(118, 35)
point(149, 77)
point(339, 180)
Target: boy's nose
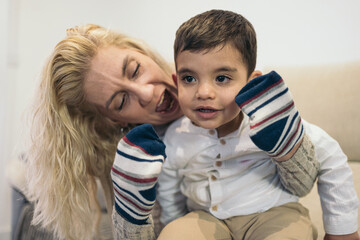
point(205, 91)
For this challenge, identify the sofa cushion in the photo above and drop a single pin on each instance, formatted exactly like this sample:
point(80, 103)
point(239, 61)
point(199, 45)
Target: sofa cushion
point(328, 96)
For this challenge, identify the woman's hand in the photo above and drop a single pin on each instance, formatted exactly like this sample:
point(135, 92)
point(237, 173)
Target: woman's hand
point(275, 123)
point(138, 162)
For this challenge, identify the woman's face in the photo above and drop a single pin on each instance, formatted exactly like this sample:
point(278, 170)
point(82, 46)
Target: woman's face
point(129, 87)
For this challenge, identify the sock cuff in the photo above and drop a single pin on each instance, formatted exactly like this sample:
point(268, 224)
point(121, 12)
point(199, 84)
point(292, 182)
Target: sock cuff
point(256, 88)
point(145, 138)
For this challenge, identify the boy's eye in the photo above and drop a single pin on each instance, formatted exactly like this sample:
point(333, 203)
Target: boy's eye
point(188, 79)
point(222, 79)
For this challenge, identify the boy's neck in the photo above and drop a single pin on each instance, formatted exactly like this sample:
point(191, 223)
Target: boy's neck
point(230, 127)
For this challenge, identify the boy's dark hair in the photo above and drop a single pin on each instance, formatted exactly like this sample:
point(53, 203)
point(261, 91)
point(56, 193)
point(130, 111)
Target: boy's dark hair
point(210, 29)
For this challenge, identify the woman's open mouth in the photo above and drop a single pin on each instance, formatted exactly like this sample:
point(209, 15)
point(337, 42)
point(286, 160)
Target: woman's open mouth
point(167, 103)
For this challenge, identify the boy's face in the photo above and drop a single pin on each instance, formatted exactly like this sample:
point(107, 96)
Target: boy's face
point(208, 82)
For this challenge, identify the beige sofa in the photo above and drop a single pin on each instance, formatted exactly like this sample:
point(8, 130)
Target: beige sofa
point(328, 96)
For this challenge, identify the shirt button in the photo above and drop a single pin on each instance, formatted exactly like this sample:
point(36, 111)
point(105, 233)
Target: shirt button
point(212, 132)
point(213, 178)
point(218, 164)
point(214, 208)
point(218, 156)
point(222, 141)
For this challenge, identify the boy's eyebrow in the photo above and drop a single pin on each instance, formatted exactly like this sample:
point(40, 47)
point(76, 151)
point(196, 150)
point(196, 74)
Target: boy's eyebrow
point(226, 69)
point(221, 69)
point(184, 70)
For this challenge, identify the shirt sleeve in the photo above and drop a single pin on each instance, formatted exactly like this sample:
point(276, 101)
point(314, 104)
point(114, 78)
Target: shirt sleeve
point(298, 174)
point(336, 189)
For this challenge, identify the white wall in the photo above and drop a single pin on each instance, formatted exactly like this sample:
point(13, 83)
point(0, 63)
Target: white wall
point(4, 146)
point(289, 33)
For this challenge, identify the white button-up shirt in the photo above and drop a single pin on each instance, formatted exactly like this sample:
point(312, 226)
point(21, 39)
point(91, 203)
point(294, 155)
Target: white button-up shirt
point(230, 176)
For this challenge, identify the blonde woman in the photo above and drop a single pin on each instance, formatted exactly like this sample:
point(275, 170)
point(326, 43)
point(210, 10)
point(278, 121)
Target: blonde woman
point(96, 85)
point(73, 140)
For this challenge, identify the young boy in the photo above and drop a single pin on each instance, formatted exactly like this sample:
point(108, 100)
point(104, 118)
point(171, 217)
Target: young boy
point(220, 164)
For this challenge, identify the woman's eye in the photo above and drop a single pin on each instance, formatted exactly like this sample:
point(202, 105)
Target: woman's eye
point(188, 79)
point(222, 79)
point(136, 70)
point(123, 101)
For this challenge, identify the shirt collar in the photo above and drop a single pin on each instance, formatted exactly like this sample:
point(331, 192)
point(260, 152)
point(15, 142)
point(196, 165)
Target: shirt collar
point(187, 124)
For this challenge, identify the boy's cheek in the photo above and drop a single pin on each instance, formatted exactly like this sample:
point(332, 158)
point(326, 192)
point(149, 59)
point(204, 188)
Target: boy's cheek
point(182, 98)
point(182, 91)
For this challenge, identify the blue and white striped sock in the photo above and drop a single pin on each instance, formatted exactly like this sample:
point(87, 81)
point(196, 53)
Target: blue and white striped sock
point(138, 162)
point(275, 123)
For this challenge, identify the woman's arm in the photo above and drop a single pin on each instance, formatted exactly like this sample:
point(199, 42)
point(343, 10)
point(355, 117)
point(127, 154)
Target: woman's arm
point(138, 162)
point(123, 229)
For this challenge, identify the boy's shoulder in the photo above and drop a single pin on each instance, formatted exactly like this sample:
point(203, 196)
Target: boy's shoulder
point(325, 145)
point(183, 131)
point(178, 128)
point(180, 141)
point(316, 133)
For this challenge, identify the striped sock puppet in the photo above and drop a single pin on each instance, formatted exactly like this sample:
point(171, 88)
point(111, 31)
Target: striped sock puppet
point(138, 161)
point(275, 124)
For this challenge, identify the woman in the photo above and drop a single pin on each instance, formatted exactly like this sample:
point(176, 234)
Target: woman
point(96, 85)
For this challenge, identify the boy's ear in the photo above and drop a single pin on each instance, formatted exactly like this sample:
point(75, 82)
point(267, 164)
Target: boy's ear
point(174, 79)
point(254, 74)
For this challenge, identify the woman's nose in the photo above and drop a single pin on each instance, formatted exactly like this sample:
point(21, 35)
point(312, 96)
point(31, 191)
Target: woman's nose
point(145, 93)
point(205, 91)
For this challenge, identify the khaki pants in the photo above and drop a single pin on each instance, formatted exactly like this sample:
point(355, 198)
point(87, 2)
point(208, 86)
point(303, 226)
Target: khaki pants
point(289, 221)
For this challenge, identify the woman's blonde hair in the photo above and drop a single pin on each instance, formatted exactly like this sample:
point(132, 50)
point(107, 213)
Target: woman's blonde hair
point(72, 143)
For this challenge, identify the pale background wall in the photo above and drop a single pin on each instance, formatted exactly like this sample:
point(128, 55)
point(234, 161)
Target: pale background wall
point(289, 33)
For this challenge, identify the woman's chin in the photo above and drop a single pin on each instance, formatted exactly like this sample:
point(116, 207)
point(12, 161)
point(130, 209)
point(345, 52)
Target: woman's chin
point(167, 117)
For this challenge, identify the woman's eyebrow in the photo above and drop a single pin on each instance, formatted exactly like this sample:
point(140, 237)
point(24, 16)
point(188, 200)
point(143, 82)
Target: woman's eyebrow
point(128, 59)
point(124, 66)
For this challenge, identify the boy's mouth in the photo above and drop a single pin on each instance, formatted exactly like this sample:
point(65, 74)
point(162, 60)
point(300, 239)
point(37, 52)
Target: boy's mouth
point(206, 110)
point(167, 102)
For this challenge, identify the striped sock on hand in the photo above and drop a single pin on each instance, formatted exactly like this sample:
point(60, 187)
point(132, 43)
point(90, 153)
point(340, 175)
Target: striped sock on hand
point(138, 162)
point(275, 124)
